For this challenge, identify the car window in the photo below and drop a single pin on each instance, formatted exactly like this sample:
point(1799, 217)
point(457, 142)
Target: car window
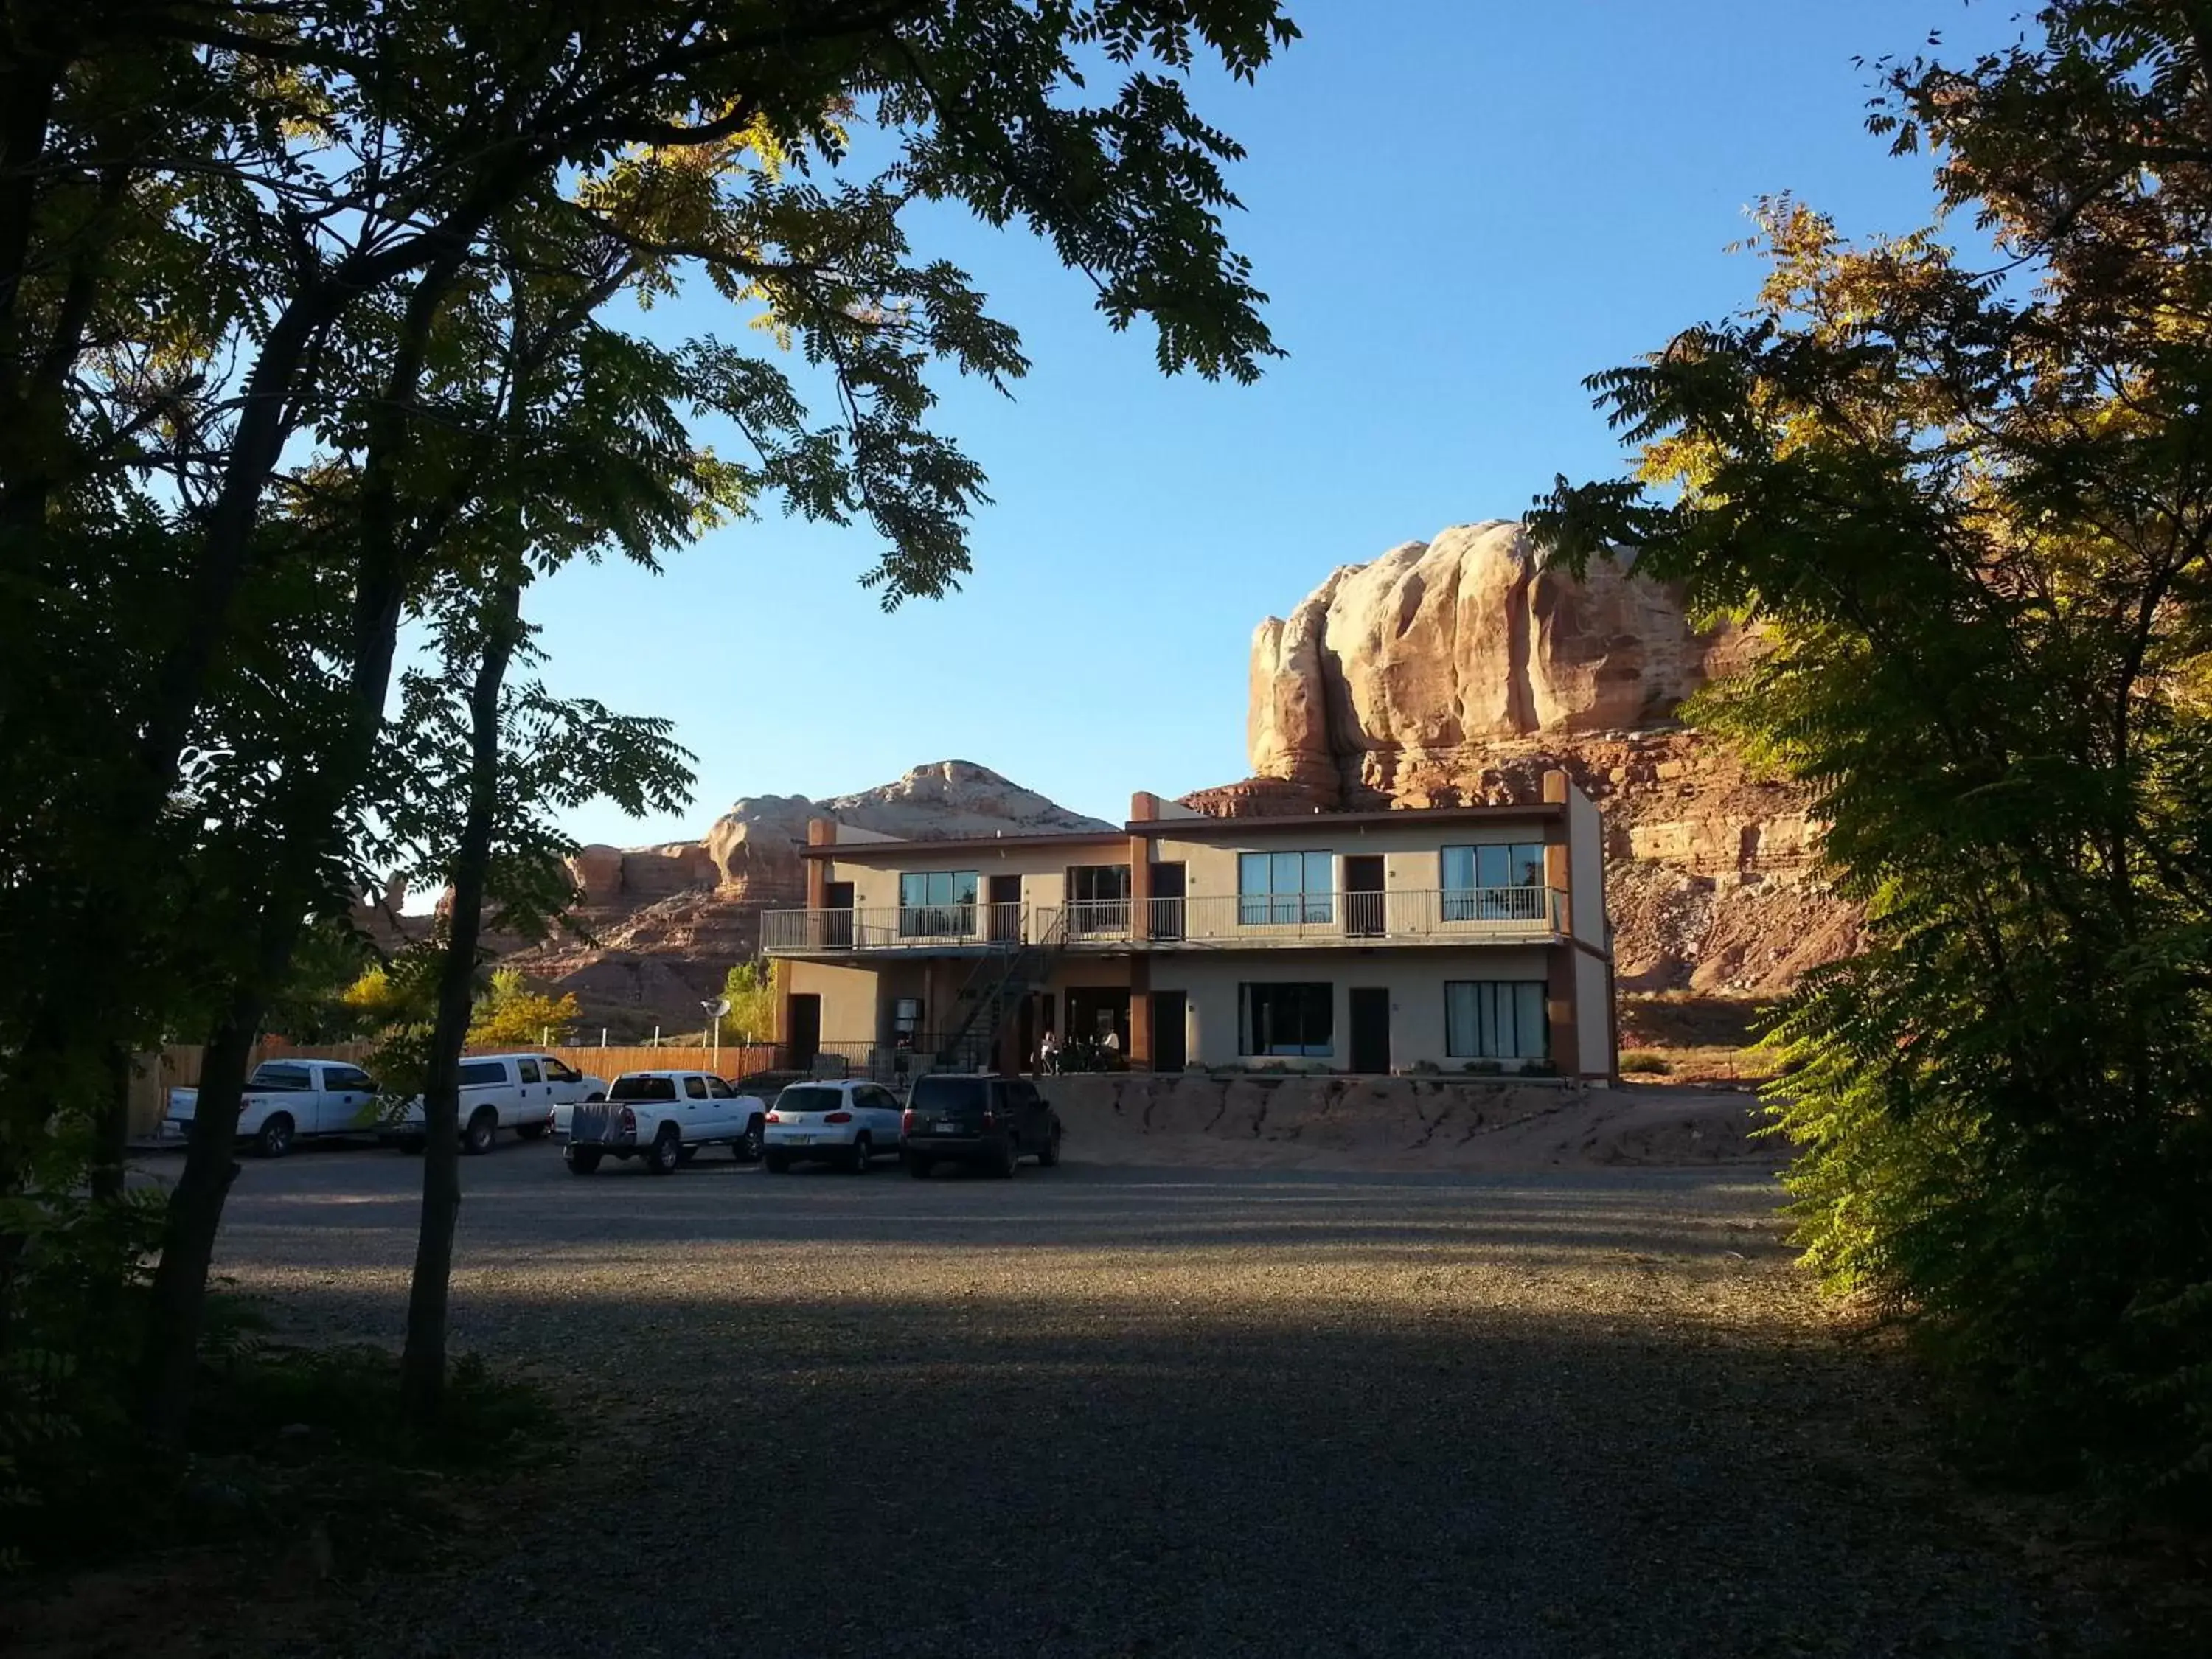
point(1020, 1096)
point(482, 1073)
point(635, 1086)
point(280, 1077)
point(810, 1098)
point(720, 1090)
point(556, 1072)
point(527, 1070)
point(695, 1087)
point(883, 1100)
point(939, 1093)
point(348, 1078)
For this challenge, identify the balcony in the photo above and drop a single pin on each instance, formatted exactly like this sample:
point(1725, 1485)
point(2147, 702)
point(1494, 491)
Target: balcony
point(1459, 916)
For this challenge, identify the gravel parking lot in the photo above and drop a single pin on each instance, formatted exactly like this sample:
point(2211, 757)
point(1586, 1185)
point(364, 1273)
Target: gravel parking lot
point(1134, 1410)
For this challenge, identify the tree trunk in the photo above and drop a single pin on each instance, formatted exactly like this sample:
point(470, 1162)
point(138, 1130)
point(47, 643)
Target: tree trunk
point(423, 1363)
point(171, 1355)
point(111, 1149)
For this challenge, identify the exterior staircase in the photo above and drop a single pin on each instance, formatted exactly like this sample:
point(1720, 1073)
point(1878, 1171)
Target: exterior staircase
point(994, 990)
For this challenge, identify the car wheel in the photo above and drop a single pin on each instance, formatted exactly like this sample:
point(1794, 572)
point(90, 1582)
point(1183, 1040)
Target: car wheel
point(666, 1152)
point(919, 1168)
point(1049, 1157)
point(776, 1162)
point(483, 1130)
point(582, 1160)
point(276, 1137)
point(857, 1160)
point(532, 1131)
point(1010, 1158)
point(748, 1145)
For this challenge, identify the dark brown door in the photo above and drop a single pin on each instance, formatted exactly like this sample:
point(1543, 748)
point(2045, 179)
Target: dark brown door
point(1363, 898)
point(1371, 1030)
point(837, 916)
point(1169, 1054)
point(1004, 919)
point(1167, 902)
point(804, 1023)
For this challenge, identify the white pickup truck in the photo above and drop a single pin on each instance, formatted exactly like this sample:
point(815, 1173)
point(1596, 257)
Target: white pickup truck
point(521, 1092)
point(286, 1099)
point(664, 1118)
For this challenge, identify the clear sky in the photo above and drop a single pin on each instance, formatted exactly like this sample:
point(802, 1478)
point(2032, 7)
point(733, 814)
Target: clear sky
point(1458, 210)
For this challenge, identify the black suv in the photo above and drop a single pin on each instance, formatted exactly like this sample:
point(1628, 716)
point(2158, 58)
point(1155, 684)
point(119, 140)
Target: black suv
point(996, 1122)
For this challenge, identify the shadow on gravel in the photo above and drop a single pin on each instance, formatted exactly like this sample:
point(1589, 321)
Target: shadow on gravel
point(1121, 1413)
point(1191, 1471)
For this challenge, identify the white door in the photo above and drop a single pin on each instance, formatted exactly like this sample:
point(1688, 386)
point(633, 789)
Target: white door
point(345, 1100)
point(699, 1108)
point(531, 1093)
point(730, 1112)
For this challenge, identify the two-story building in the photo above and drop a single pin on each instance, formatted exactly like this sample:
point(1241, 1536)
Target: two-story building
point(1456, 939)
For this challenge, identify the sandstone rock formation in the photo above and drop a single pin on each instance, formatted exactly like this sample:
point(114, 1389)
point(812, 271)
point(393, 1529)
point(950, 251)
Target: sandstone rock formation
point(1456, 670)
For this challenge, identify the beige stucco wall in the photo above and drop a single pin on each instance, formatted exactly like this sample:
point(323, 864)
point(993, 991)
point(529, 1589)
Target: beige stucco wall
point(849, 999)
point(1586, 864)
point(1594, 1016)
point(1415, 980)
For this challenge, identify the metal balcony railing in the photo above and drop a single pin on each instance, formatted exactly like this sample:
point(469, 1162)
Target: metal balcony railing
point(1430, 915)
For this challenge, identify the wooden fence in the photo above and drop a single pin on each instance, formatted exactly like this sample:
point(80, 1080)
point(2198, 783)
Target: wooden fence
point(178, 1066)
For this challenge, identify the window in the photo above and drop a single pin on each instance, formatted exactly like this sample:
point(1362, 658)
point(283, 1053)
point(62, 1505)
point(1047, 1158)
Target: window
point(286, 1077)
point(695, 1087)
point(810, 1098)
point(482, 1073)
point(1496, 1019)
point(1286, 1019)
point(642, 1086)
point(718, 1090)
point(935, 903)
point(528, 1069)
point(347, 1079)
point(1476, 879)
point(1277, 888)
point(879, 1100)
point(1098, 898)
point(556, 1072)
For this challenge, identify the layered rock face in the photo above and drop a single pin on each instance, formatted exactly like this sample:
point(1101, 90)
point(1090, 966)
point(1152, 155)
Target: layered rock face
point(1456, 670)
point(660, 927)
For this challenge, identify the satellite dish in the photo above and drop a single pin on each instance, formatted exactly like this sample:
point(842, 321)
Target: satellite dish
point(721, 1007)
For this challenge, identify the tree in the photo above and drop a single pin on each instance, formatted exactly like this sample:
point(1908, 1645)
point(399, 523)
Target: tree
point(1967, 508)
point(227, 517)
point(513, 1016)
point(749, 990)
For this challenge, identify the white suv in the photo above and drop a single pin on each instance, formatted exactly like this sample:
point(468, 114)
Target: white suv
point(846, 1124)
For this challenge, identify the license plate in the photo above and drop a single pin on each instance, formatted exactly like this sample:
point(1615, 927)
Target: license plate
point(948, 1126)
point(802, 1140)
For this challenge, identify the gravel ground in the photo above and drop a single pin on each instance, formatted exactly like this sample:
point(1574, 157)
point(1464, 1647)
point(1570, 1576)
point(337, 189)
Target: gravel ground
point(1127, 1410)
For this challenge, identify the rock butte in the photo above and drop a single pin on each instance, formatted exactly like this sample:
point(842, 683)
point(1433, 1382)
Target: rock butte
point(1457, 670)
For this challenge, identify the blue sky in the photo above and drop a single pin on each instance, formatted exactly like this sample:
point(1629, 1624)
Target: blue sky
point(1458, 211)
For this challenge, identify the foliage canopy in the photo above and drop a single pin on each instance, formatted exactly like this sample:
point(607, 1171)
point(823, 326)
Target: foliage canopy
point(1967, 508)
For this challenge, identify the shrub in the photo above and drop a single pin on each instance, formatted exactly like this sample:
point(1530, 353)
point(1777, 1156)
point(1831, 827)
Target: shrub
point(1645, 1060)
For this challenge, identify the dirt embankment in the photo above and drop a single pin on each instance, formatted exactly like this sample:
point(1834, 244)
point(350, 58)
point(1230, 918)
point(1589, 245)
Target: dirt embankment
point(1401, 1123)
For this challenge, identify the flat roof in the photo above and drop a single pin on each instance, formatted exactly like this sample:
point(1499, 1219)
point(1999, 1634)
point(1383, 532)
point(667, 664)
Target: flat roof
point(966, 843)
point(1199, 828)
point(1209, 825)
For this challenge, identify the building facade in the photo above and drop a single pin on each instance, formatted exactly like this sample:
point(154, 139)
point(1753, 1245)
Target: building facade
point(1449, 939)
